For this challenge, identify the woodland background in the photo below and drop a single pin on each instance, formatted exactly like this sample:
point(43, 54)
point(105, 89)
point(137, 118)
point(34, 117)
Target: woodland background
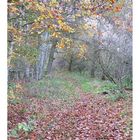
point(69, 66)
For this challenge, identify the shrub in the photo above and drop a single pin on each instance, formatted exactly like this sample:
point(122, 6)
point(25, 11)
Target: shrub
point(117, 96)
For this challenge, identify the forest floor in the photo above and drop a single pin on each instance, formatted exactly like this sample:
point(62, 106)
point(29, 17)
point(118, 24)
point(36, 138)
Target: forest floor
point(68, 106)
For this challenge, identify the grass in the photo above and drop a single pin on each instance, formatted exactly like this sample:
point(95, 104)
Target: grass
point(86, 87)
point(62, 86)
point(106, 86)
point(128, 83)
point(117, 96)
point(54, 88)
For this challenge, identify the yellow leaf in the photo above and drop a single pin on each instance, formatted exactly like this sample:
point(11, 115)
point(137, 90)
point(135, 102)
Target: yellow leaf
point(55, 34)
point(60, 22)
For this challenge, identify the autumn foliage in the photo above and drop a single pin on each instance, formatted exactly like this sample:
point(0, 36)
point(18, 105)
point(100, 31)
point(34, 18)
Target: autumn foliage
point(90, 42)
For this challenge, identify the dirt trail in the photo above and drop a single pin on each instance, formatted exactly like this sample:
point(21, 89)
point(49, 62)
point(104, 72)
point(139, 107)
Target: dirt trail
point(90, 117)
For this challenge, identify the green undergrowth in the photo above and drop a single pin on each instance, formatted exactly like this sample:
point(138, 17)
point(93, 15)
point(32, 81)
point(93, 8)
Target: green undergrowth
point(106, 86)
point(63, 86)
point(55, 92)
point(24, 127)
point(55, 88)
point(127, 83)
point(14, 93)
point(117, 96)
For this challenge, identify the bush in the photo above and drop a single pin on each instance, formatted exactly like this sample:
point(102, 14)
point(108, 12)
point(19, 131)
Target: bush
point(127, 83)
point(117, 96)
point(106, 87)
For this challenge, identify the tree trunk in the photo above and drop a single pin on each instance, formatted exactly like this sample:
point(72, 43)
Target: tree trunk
point(11, 46)
point(93, 70)
point(43, 55)
point(51, 58)
point(103, 77)
point(17, 75)
point(41, 61)
point(70, 64)
point(27, 73)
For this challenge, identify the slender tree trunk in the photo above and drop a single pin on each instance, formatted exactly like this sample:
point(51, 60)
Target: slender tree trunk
point(27, 73)
point(103, 77)
point(70, 64)
point(41, 61)
point(11, 46)
point(17, 75)
point(51, 58)
point(93, 70)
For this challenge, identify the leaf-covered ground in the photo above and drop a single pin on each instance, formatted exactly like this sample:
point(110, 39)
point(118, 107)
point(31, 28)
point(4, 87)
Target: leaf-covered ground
point(67, 107)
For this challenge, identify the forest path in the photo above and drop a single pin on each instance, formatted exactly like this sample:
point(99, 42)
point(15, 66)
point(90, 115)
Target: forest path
point(64, 107)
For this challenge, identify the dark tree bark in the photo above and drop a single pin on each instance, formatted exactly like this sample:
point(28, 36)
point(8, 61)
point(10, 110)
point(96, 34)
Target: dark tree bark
point(93, 70)
point(51, 58)
point(70, 64)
